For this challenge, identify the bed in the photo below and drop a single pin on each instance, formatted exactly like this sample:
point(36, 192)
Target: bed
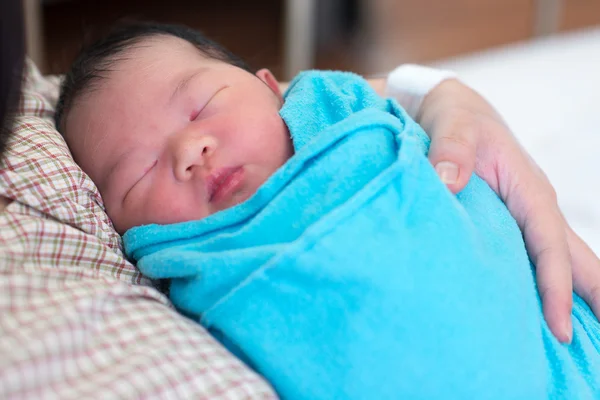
point(77, 320)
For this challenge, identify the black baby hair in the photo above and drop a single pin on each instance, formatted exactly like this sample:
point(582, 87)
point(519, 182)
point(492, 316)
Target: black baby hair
point(12, 56)
point(95, 61)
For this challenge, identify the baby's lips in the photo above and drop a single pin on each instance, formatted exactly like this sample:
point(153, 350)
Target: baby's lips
point(222, 181)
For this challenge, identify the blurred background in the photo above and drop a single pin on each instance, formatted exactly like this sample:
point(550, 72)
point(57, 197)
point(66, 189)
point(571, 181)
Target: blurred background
point(536, 61)
point(364, 36)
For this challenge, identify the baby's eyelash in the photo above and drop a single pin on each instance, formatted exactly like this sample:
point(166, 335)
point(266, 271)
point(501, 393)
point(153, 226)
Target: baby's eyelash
point(149, 168)
point(139, 180)
point(195, 114)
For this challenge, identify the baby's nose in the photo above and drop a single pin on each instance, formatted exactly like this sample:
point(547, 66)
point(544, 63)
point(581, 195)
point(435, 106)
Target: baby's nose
point(192, 155)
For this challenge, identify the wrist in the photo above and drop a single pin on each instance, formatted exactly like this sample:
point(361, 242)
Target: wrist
point(451, 99)
point(445, 94)
point(410, 84)
point(379, 85)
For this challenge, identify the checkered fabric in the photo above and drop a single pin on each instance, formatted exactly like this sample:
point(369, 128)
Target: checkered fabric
point(77, 320)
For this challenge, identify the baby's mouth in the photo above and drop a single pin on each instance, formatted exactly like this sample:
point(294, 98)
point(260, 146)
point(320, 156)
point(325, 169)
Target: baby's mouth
point(222, 183)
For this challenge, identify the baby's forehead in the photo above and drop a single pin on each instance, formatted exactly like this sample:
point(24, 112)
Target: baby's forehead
point(162, 45)
point(150, 61)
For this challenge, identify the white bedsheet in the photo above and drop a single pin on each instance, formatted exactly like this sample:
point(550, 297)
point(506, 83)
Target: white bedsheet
point(549, 93)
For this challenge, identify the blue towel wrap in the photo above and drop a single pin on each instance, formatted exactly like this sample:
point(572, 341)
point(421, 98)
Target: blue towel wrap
point(353, 273)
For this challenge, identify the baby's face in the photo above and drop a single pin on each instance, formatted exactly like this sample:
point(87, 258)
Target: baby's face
point(172, 136)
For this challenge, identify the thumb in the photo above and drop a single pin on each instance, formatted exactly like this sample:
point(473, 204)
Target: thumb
point(452, 153)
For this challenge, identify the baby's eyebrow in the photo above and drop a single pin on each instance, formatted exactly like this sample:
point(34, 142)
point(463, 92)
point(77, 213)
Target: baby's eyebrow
point(183, 84)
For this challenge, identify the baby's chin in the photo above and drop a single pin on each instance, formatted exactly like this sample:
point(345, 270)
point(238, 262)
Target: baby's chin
point(237, 198)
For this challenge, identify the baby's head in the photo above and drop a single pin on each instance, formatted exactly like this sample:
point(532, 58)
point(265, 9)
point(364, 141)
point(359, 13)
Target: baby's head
point(169, 125)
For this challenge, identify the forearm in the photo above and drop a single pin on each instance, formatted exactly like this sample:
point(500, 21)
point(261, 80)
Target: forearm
point(378, 84)
point(410, 84)
point(452, 94)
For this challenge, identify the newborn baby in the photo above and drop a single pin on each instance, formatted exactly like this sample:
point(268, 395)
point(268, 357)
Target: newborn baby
point(346, 270)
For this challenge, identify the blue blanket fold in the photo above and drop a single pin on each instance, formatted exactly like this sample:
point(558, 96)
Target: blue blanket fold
point(354, 273)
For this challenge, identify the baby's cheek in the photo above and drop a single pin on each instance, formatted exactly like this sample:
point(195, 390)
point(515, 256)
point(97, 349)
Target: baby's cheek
point(119, 223)
point(281, 145)
point(172, 206)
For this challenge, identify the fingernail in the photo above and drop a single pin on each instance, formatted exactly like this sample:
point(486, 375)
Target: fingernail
point(447, 171)
point(569, 331)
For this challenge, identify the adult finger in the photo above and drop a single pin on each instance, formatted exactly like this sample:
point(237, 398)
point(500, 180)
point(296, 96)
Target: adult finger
point(544, 231)
point(453, 150)
point(586, 271)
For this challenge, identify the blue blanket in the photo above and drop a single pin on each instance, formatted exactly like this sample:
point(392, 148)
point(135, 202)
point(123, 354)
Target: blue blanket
point(354, 273)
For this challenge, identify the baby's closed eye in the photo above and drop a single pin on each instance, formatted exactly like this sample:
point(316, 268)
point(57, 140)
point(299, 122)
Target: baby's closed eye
point(206, 108)
point(137, 177)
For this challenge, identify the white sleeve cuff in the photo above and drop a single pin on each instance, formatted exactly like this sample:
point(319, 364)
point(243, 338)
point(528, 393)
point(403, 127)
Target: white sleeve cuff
point(409, 84)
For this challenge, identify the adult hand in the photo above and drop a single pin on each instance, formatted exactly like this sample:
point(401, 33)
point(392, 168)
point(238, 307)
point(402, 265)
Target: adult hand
point(468, 135)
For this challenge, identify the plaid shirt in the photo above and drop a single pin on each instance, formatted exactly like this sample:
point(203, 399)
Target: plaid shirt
point(77, 320)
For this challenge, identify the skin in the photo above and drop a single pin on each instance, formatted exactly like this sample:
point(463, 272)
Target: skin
point(467, 136)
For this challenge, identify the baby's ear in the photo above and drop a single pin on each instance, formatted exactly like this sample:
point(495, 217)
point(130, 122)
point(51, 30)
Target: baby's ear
point(269, 79)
